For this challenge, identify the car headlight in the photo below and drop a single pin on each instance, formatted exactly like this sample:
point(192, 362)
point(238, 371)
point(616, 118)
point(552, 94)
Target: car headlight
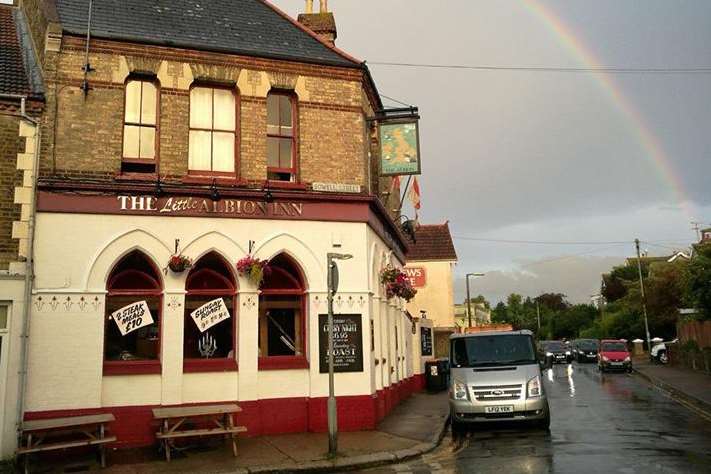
point(459, 391)
point(533, 387)
point(549, 354)
point(567, 353)
point(627, 359)
point(605, 359)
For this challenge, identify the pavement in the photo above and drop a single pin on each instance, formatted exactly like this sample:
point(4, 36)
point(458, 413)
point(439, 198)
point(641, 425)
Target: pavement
point(691, 387)
point(413, 428)
point(600, 423)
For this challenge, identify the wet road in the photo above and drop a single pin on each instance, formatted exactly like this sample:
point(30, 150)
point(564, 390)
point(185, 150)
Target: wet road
point(611, 423)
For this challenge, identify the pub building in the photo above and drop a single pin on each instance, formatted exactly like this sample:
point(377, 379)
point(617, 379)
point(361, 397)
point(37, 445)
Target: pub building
point(209, 135)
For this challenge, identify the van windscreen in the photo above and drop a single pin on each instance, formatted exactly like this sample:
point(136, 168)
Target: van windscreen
point(509, 349)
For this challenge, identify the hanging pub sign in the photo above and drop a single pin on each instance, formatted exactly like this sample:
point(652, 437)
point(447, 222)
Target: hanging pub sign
point(209, 314)
point(347, 343)
point(399, 148)
point(132, 317)
point(426, 339)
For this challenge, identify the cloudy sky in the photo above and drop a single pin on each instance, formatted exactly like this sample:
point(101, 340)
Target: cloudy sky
point(585, 162)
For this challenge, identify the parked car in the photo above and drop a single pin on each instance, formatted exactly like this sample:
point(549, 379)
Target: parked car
point(554, 352)
point(585, 350)
point(496, 376)
point(660, 351)
point(614, 355)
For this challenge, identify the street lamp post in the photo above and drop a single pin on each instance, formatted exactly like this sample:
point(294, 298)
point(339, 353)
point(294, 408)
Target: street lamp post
point(332, 283)
point(469, 305)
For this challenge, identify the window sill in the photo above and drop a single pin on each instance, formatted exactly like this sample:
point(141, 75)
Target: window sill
point(207, 179)
point(287, 185)
point(209, 365)
point(132, 367)
point(152, 177)
point(283, 363)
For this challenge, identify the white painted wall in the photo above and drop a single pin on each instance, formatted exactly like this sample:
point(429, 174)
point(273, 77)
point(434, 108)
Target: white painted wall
point(76, 252)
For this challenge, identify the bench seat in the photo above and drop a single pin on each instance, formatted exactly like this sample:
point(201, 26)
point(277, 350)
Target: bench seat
point(65, 445)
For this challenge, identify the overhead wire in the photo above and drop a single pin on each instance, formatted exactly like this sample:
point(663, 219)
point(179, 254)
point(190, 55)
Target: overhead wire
point(554, 69)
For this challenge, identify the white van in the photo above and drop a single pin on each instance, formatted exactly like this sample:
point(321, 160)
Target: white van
point(496, 376)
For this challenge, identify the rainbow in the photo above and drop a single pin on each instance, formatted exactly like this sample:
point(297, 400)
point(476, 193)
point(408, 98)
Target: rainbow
point(654, 150)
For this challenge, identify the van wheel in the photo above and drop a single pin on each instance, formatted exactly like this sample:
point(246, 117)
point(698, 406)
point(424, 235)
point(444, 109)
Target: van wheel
point(545, 423)
point(457, 427)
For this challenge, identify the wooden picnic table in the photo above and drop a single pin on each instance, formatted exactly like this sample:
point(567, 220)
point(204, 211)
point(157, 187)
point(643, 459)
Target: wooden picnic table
point(75, 431)
point(173, 418)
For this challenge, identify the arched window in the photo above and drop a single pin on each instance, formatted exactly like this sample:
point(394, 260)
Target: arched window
point(133, 317)
point(281, 137)
point(210, 316)
point(282, 321)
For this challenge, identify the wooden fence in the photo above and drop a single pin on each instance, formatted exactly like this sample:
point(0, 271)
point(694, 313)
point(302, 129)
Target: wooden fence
point(698, 331)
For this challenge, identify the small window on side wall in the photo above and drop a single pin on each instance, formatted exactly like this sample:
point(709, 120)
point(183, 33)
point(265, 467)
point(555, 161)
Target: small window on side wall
point(140, 135)
point(212, 130)
point(281, 137)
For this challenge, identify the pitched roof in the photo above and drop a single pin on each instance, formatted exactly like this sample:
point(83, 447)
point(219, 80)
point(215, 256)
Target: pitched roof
point(433, 242)
point(19, 74)
point(248, 27)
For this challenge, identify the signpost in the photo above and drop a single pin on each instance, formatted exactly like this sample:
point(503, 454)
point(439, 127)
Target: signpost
point(332, 281)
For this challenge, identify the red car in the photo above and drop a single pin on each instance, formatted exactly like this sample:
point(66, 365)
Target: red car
point(614, 355)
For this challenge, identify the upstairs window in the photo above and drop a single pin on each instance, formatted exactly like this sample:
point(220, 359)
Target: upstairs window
point(281, 137)
point(139, 126)
point(212, 130)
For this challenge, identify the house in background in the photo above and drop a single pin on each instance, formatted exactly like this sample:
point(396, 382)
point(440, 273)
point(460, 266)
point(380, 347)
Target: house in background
point(430, 267)
point(481, 315)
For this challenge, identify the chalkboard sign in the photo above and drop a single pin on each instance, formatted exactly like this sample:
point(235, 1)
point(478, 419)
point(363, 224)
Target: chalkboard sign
point(347, 343)
point(426, 337)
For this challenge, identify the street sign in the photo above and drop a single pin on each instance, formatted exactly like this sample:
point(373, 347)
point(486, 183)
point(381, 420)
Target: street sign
point(334, 278)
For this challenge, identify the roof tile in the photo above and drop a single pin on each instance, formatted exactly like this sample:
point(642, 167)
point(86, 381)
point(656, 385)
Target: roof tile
point(433, 242)
point(249, 27)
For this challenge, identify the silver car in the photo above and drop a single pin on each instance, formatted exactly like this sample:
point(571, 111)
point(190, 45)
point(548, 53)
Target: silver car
point(496, 376)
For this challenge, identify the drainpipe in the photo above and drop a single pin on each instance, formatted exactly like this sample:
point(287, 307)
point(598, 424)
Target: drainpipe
point(29, 264)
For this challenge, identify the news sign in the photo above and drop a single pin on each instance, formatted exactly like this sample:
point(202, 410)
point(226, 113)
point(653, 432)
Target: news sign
point(417, 276)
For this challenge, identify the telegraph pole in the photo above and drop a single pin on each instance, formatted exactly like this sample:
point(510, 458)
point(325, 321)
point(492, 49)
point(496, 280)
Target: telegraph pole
point(644, 298)
point(469, 304)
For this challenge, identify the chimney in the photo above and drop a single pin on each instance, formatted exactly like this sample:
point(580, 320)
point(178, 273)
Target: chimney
point(322, 23)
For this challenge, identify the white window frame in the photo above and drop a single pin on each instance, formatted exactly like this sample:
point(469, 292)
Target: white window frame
point(4, 354)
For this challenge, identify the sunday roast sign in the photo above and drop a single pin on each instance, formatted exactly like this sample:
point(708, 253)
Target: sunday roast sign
point(132, 317)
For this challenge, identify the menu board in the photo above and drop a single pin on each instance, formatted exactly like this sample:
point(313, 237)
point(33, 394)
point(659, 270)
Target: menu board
point(347, 343)
point(426, 339)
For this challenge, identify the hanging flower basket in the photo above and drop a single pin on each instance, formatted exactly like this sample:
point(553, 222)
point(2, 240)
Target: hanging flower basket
point(179, 263)
point(253, 268)
point(396, 284)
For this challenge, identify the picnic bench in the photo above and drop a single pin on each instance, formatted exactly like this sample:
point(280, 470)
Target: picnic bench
point(53, 434)
point(219, 418)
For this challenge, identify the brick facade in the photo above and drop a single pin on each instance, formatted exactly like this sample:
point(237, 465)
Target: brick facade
point(84, 139)
point(10, 145)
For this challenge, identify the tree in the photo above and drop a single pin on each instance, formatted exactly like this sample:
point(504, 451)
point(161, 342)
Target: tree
point(553, 301)
point(480, 299)
point(697, 280)
point(499, 314)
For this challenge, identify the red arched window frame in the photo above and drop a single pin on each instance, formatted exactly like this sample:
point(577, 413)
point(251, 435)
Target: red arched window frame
point(143, 285)
point(209, 282)
point(282, 282)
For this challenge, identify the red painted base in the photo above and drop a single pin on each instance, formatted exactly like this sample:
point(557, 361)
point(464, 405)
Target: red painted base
point(134, 425)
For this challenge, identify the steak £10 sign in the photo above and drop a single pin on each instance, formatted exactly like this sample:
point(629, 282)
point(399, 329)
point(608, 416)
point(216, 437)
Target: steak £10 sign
point(132, 317)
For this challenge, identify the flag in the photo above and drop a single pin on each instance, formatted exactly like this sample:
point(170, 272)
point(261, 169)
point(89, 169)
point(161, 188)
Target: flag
point(414, 196)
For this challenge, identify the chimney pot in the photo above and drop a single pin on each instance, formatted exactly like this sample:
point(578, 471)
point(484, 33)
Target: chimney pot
point(309, 6)
point(323, 4)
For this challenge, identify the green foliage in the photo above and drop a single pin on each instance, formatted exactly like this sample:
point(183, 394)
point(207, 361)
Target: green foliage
point(697, 280)
point(480, 299)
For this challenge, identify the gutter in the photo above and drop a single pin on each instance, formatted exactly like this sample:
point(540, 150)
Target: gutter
point(29, 263)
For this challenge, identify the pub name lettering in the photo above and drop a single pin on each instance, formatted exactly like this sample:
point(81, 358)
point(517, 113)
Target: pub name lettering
point(177, 205)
